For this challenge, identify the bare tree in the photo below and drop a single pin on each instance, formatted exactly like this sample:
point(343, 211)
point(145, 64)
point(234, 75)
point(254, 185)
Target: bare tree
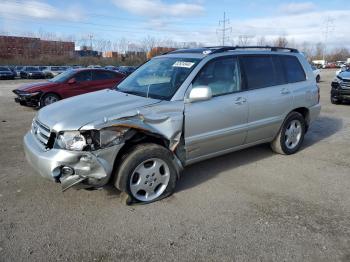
point(148, 43)
point(244, 40)
point(281, 41)
point(261, 41)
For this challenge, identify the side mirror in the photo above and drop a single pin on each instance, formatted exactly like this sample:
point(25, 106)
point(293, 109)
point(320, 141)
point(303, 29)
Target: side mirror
point(343, 69)
point(72, 81)
point(199, 93)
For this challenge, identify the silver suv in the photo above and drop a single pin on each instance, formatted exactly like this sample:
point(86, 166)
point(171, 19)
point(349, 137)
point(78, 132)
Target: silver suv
point(175, 110)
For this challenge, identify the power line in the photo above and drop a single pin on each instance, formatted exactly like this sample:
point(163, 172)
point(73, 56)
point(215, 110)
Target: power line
point(224, 29)
point(329, 28)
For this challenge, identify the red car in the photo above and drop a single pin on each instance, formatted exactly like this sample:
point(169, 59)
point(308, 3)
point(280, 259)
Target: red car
point(69, 83)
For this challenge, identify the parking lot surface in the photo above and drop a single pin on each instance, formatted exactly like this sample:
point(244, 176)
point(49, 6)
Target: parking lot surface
point(249, 205)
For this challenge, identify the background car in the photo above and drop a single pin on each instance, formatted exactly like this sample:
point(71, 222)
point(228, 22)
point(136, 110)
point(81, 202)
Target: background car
point(94, 66)
point(42, 68)
point(52, 71)
point(6, 73)
point(69, 83)
point(127, 70)
point(317, 73)
point(18, 70)
point(31, 72)
point(114, 68)
point(341, 88)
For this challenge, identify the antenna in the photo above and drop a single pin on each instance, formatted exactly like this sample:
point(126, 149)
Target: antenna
point(224, 29)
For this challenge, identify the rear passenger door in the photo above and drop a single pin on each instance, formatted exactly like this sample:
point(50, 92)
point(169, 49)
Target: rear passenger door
point(218, 124)
point(269, 96)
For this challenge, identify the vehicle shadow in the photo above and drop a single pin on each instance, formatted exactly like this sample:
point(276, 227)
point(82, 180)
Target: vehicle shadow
point(322, 128)
point(198, 173)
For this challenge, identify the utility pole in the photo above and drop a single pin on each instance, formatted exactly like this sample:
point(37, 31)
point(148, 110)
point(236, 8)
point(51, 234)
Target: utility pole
point(224, 29)
point(329, 27)
point(91, 36)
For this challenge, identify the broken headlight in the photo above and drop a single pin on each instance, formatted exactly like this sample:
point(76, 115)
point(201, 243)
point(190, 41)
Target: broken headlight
point(71, 140)
point(90, 140)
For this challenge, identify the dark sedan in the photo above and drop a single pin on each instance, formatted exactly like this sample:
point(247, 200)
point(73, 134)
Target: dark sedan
point(31, 72)
point(6, 73)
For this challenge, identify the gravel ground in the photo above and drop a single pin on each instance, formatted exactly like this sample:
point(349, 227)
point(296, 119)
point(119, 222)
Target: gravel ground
point(249, 205)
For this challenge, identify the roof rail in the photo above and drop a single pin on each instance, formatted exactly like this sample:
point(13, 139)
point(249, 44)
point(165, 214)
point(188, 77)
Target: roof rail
point(232, 48)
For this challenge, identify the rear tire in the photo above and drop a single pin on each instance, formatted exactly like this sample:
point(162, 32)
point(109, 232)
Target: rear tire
point(147, 173)
point(291, 135)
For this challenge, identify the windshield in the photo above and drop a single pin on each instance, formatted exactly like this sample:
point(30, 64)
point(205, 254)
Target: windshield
point(63, 77)
point(159, 78)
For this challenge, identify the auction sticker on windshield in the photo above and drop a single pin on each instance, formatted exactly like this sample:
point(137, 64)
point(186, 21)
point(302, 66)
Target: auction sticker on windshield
point(183, 64)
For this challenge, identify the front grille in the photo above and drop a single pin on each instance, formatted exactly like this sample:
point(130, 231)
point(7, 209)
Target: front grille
point(41, 132)
point(345, 85)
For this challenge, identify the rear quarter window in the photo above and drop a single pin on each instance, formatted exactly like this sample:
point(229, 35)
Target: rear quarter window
point(293, 69)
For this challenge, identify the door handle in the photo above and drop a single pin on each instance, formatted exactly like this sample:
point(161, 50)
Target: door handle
point(285, 91)
point(240, 100)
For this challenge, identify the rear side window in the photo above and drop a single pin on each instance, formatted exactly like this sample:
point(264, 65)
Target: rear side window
point(259, 71)
point(294, 70)
point(103, 75)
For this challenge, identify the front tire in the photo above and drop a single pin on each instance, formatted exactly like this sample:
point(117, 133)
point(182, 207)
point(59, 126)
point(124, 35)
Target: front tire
point(318, 78)
point(48, 99)
point(335, 101)
point(147, 173)
point(291, 135)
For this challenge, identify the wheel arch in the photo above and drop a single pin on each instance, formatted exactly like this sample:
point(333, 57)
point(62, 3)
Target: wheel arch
point(305, 112)
point(143, 137)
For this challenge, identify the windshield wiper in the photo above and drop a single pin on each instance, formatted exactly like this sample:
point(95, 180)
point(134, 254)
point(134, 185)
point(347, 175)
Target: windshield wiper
point(131, 92)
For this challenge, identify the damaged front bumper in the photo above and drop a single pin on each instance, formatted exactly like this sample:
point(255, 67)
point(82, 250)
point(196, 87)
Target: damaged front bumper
point(71, 168)
point(27, 99)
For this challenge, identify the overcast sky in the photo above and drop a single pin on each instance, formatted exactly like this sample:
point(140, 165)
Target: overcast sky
point(180, 20)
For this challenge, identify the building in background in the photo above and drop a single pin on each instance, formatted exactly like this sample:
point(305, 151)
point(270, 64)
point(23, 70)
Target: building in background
point(110, 54)
point(30, 47)
point(158, 51)
point(86, 51)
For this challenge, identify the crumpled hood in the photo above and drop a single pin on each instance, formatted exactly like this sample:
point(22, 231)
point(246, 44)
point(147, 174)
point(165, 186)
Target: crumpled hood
point(73, 113)
point(32, 87)
point(345, 75)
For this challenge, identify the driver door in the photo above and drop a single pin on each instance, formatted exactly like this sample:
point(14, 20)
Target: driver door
point(82, 84)
point(219, 124)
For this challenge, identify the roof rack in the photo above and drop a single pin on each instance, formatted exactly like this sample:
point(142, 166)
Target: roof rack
point(231, 48)
point(219, 49)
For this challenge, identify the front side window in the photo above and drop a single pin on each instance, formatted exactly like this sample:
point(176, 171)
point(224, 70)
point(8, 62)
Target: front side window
point(83, 76)
point(222, 75)
point(159, 78)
